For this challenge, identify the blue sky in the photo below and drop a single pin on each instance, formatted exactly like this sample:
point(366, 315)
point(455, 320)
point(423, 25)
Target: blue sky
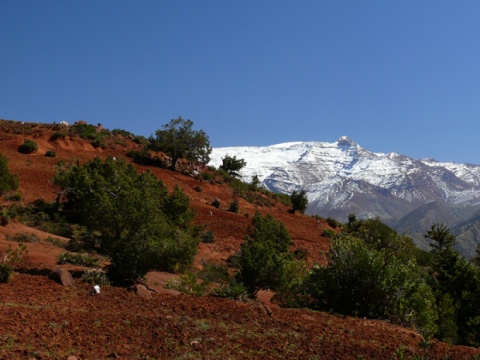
point(395, 76)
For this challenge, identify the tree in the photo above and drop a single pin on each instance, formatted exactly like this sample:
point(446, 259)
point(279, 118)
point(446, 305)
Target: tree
point(8, 181)
point(232, 165)
point(180, 141)
point(442, 238)
point(299, 201)
point(265, 254)
point(124, 214)
point(359, 280)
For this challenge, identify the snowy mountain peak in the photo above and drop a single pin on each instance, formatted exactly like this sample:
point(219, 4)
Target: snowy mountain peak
point(342, 177)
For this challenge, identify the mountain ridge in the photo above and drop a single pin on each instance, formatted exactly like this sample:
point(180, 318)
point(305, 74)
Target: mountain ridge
point(343, 177)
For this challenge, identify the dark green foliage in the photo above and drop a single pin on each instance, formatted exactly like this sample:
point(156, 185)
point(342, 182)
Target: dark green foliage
point(28, 147)
point(208, 237)
point(177, 208)
point(299, 201)
point(265, 254)
point(145, 157)
point(234, 207)
point(77, 259)
point(359, 280)
point(128, 216)
point(332, 222)
point(24, 238)
point(214, 272)
point(8, 181)
point(50, 153)
point(457, 286)
point(180, 141)
point(57, 135)
point(5, 273)
point(8, 259)
point(441, 237)
point(232, 165)
point(216, 203)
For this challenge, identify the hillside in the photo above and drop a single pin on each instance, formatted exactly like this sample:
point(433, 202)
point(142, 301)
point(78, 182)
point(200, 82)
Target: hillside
point(44, 320)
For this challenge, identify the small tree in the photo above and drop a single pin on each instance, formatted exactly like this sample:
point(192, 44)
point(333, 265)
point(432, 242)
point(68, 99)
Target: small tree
point(265, 254)
point(232, 165)
point(28, 147)
point(8, 181)
point(180, 141)
point(125, 216)
point(299, 201)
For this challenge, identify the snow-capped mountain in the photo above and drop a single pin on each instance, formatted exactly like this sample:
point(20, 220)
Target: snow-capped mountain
point(342, 177)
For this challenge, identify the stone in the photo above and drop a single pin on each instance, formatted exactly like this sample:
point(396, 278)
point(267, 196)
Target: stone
point(62, 276)
point(141, 291)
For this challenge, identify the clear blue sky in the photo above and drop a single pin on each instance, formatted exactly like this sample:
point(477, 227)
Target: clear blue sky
point(395, 76)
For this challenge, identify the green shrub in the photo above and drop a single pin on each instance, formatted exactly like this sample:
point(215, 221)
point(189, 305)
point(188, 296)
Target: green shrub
point(5, 273)
point(328, 233)
point(28, 147)
point(187, 284)
point(8, 181)
point(332, 222)
point(24, 238)
point(208, 237)
point(57, 135)
point(233, 207)
point(50, 153)
point(234, 290)
point(265, 254)
point(214, 272)
point(13, 196)
point(55, 241)
point(216, 203)
point(95, 276)
point(77, 259)
point(9, 258)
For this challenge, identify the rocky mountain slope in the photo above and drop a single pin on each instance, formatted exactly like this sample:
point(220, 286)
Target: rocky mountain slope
point(342, 177)
point(42, 319)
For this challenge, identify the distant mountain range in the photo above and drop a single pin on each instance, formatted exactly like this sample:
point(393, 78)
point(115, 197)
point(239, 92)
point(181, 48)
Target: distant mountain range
point(342, 177)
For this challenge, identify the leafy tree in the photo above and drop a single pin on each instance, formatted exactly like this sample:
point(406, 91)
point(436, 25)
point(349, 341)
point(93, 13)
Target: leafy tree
point(457, 286)
point(180, 141)
point(442, 238)
point(299, 201)
point(8, 181)
point(28, 147)
point(265, 254)
point(125, 216)
point(360, 281)
point(232, 165)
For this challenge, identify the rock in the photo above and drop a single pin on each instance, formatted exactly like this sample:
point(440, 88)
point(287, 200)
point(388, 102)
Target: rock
point(141, 291)
point(62, 277)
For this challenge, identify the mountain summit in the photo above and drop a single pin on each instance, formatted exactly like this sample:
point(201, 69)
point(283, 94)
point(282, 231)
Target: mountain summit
point(342, 177)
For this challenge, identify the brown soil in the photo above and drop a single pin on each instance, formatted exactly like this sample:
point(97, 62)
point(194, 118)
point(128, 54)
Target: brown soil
point(40, 319)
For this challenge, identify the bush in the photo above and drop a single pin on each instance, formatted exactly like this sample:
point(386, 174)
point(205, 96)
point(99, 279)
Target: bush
point(57, 135)
point(24, 238)
point(234, 290)
point(299, 201)
point(77, 259)
point(366, 282)
point(28, 147)
point(216, 203)
point(13, 196)
point(265, 254)
point(5, 273)
point(8, 181)
point(208, 237)
point(187, 284)
point(233, 207)
point(95, 276)
point(50, 153)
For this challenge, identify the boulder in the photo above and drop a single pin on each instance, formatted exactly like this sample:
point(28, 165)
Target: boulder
point(141, 291)
point(62, 276)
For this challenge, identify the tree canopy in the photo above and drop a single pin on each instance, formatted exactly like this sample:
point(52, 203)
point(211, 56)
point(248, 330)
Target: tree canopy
point(178, 140)
point(232, 165)
point(8, 181)
point(299, 201)
point(125, 215)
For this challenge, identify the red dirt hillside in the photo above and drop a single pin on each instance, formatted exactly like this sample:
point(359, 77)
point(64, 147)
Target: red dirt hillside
point(41, 319)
